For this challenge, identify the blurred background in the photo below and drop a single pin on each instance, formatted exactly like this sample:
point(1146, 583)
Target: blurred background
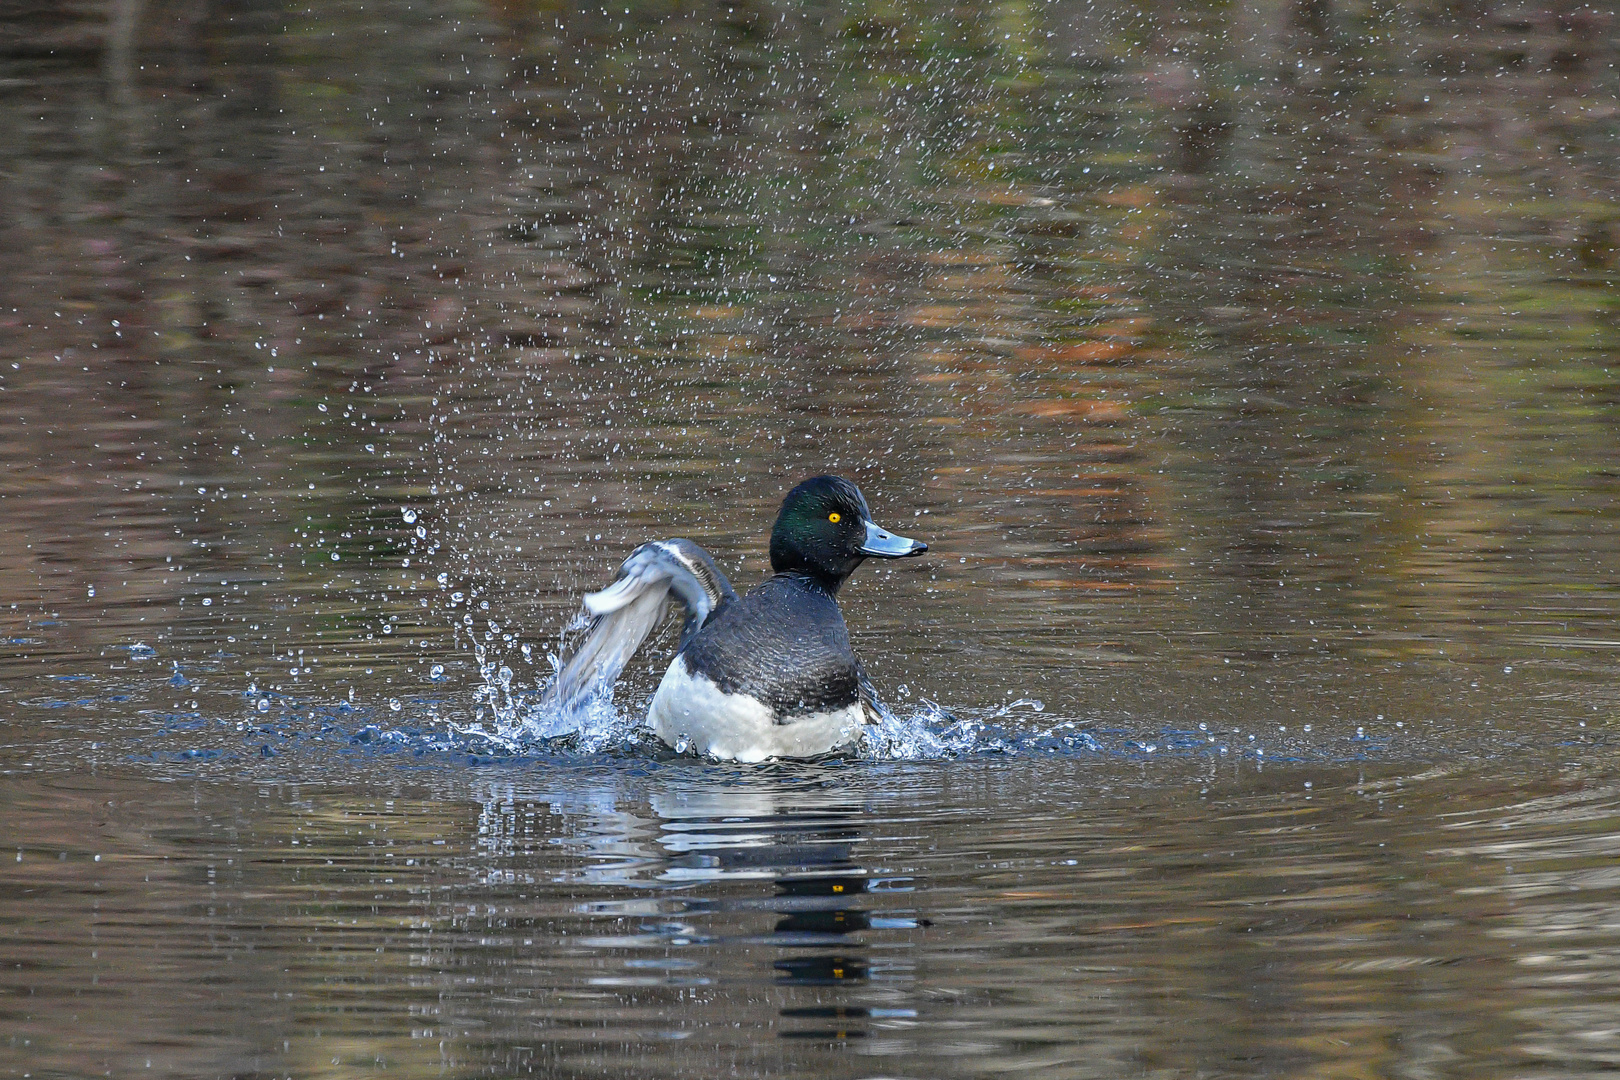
point(1262, 330)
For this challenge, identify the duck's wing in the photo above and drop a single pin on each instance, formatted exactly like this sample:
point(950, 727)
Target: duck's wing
point(619, 618)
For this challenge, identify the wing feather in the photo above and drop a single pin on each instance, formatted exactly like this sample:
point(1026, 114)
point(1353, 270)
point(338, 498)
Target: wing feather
point(620, 617)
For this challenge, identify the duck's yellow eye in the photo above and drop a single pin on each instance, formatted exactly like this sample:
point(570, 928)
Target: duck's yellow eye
point(835, 517)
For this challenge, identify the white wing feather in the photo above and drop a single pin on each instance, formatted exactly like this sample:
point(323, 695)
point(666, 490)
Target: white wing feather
point(620, 617)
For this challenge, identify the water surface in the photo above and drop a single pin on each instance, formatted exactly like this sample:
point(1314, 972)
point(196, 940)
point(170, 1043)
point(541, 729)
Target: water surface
point(1250, 371)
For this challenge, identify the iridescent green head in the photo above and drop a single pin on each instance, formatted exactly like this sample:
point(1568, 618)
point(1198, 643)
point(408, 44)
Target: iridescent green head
point(824, 529)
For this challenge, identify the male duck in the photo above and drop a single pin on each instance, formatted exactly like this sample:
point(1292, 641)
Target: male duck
point(770, 674)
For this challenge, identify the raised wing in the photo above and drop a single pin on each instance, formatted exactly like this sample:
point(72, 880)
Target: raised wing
point(619, 618)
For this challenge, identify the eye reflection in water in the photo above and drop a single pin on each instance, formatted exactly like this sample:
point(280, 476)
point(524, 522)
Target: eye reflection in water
point(818, 911)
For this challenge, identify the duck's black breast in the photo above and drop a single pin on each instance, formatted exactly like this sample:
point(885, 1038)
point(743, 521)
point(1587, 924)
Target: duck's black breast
point(784, 644)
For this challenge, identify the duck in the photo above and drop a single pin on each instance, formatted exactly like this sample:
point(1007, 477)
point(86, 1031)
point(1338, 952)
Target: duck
point(770, 674)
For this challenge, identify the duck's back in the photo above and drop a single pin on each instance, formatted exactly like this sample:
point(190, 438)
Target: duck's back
point(784, 644)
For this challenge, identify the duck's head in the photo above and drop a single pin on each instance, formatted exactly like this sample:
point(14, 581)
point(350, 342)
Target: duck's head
point(824, 529)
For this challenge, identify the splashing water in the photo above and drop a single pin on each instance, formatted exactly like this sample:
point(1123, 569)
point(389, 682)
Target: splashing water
point(933, 732)
point(517, 719)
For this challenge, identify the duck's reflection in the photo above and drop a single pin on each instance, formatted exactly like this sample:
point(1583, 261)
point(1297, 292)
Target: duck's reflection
point(748, 889)
point(804, 841)
point(819, 912)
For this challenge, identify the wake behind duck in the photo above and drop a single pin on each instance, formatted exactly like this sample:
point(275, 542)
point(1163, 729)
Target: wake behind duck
point(768, 674)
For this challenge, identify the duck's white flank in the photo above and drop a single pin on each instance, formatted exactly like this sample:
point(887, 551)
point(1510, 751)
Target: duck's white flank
point(689, 708)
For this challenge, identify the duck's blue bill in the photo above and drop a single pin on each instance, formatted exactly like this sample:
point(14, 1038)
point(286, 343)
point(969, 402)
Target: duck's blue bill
point(886, 545)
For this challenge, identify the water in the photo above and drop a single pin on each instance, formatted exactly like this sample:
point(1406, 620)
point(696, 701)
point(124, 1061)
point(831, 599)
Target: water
point(1250, 374)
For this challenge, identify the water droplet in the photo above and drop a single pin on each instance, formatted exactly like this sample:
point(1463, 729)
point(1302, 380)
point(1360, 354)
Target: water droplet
point(436, 672)
point(334, 556)
point(393, 704)
point(264, 704)
point(410, 516)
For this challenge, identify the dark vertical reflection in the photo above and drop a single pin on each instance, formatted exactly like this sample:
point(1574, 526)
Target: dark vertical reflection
point(819, 942)
point(819, 909)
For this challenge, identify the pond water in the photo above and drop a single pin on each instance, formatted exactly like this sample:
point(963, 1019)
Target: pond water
point(1250, 370)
